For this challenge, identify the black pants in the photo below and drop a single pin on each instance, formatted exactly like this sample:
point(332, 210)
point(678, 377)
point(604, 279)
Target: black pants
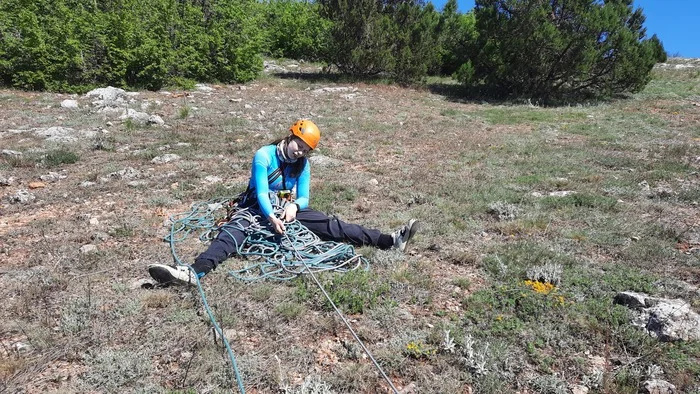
point(328, 228)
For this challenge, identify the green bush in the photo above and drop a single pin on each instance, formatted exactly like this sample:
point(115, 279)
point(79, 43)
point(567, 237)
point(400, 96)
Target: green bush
point(60, 156)
point(74, 45)
point(295, 29)
point(551, 50)
point(369, 37)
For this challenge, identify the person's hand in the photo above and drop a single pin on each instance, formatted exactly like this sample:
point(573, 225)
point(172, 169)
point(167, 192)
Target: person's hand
point(290, 213)
point(277, 224)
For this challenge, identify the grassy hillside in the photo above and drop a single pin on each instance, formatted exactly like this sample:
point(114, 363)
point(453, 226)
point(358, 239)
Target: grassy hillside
point(601, 198)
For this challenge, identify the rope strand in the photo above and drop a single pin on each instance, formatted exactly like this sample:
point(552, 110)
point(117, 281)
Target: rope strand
point(280, 258)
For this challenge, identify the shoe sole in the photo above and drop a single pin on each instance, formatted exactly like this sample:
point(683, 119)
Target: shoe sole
point(162, 275)
point(411, 232)
point(413, 228)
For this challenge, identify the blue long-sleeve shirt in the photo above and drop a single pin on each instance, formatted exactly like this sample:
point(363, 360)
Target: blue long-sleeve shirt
point(266, 162)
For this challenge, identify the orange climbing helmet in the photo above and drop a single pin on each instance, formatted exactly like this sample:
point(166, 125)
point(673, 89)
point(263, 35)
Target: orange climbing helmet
point(307, 131)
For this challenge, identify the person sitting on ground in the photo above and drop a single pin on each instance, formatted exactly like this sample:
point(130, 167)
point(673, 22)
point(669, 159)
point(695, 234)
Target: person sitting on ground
point(280, 167)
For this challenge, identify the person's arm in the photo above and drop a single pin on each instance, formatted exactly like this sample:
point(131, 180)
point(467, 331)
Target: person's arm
point(302, 200)
point(303, 187)
point(261, 164)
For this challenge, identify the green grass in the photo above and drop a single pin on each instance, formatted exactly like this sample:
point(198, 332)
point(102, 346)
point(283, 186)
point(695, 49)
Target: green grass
point(580, 200)
point(353, 291)
point(59, 157)
point(184, 112)
point(328, 195)
point(528, 115)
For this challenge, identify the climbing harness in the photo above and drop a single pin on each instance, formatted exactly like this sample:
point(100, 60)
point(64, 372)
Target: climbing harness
point(297, 252)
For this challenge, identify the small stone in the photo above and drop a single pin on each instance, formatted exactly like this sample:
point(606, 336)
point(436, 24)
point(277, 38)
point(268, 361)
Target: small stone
point(87, 249)
point(22, 197)
point(139, 183)
point(203, 88)
point(142, 284)
point(166, 158)
point(23, 348)
point(52, 177)
point(69, 104)
point(658, 386)
point(562, 193)
point(156, 120)
point(579, 389)
point(211, 179)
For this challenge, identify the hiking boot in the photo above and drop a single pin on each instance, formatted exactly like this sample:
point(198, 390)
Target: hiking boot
point(404, 235)
point(181, 275)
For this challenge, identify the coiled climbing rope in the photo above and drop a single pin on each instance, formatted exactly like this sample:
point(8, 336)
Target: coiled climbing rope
point(271, 256)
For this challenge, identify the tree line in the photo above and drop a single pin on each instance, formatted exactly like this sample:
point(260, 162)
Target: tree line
point(538, 49)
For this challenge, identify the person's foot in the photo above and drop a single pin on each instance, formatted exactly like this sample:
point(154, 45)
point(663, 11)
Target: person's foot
point(404, 235)
point(181, 275)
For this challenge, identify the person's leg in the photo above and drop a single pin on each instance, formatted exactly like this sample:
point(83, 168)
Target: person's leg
point(330, 228)
point(224, 245)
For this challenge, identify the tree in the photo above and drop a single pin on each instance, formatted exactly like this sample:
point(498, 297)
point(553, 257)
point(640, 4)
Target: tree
point(74, 45)
point(550, 49)
point(415, 47)
point(369, 37)
point(456, 37)
point(295, 29)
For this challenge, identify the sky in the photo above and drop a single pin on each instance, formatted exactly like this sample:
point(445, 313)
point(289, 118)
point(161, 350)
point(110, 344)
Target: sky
point(673, 21)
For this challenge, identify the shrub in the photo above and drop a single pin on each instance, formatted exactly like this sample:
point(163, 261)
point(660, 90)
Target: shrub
point(549, 50)
point(74, 45)
point(371, 37)
point(295, 29)
point(353, 291)
point(60, 156)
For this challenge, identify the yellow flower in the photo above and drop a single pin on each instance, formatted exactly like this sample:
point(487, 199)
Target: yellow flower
point(540, 287)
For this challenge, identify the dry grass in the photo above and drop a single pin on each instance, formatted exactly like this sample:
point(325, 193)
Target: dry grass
point(477, 175)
